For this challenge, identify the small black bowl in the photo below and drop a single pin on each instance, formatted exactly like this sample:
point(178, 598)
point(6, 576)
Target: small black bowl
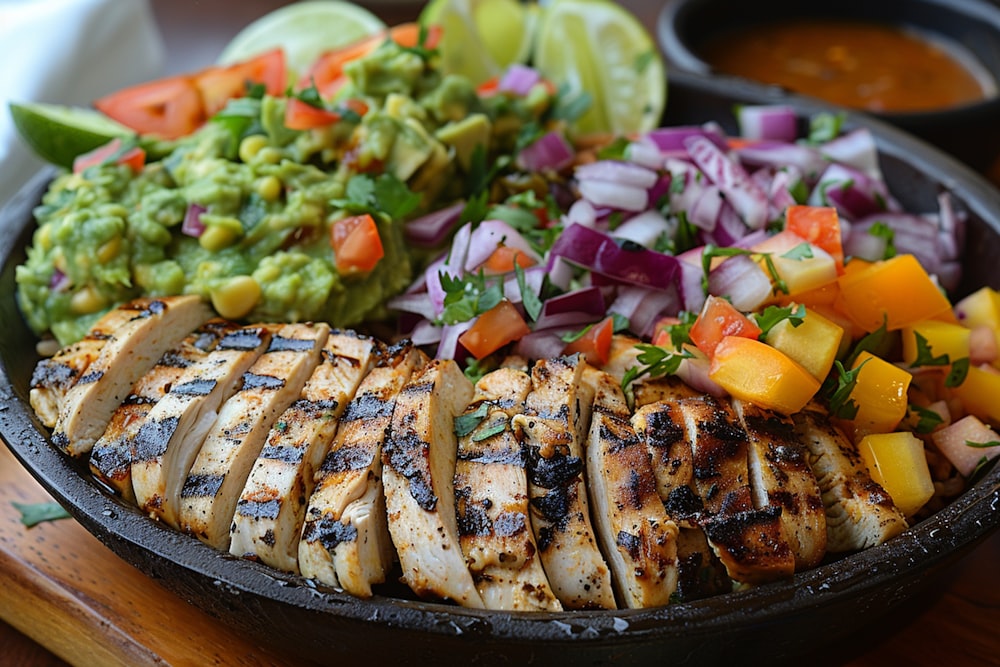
point(970, 132)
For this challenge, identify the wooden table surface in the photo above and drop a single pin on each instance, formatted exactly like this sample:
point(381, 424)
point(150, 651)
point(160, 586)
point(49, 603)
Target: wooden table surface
point(65, 597)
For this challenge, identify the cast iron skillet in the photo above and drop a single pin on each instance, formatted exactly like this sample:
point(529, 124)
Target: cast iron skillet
point(772, 622)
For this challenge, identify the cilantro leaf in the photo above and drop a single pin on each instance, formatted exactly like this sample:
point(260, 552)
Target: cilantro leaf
point(466, 423)
point(655, 362)
point(35, 513)
point(956, 376)
point(799, 252)
point(394, 198)
point(927, 420)
point(881, 230)
point(532, 304)
point(468, 296)
point(982, 445)
point(825, 126)
point(772, 315)
point(924, 355)
point(841, 403)
point(498, 426)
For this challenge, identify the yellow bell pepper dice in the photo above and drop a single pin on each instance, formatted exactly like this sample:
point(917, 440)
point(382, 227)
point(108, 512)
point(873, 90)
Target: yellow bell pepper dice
point(981, 308)
point(940, 338)
point(980, 394)
point(814, 343)
point(897, 291)
point(756, 372)
point(801, 265)
point(880, 394)
point(898, 463)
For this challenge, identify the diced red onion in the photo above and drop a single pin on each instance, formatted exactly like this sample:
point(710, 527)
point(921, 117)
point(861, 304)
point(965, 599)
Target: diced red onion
point(692, 291)
point(854, 194)
point(414, 302)
point(551, 151)
point(672, 139)
point(426, 333)
point(534, 276)
point(807, 159)
point(598, 252)
point(705, 210)
point(859, 243)
point(741, 192)
point(192, 225)
point(644, 153)
point(617, 172)
point(541, 345)
point(742, 280)
point(952, 223)
point(780, 193)
point(448, 346)
point(855, 148)
point(643, 307)
point(776, 122)
point(432, 229)
point(729, 229)
point(582, 212)
point(643, 229)
point(518, 79)
point(694, 372)
point(59, 281)
point(614, 195)
point(488, 236)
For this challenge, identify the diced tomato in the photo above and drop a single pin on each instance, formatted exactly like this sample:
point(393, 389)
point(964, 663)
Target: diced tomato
point(661, 331)
point(357, 246)
point(718, 319)
point(498, 326)
point(595, 343)
point(503, 258)
point(113, 151)
point(177, 106)
point(168, 108)
point(301, 115)
point(218, 85)
point(327, 73)
point(488, 87)
point(820, 226)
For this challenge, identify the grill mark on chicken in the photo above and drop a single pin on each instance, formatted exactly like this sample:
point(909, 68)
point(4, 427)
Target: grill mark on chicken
point(196, 387)
point(242, 427)
point(859, 513)
point(639, 539)
point(345, 540)
point(552, 430)
point(259, 509)
point(491, 498)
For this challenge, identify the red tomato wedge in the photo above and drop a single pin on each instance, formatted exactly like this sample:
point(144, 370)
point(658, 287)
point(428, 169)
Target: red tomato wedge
point(498, 326)
point(502, 260)
point(301, 115)
point(717, 320)
point(218, 85)
point(113, 151)
point(327, 73)
point(177, 106)
point(819, 225)
point(595, 343)
point(357, 246)
point(169, 108)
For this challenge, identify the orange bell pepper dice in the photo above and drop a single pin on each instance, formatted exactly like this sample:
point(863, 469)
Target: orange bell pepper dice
point(896, 291)
point(756, 372)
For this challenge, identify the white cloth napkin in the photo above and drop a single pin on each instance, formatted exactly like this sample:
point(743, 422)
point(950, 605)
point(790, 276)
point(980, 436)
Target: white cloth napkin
point(68, 52)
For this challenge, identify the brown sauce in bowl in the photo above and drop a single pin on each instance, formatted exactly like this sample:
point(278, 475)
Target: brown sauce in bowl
point(861, 65)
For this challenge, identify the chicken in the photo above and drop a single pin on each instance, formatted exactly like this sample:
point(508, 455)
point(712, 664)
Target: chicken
point(552, 430)
point(217, 476)
point(345, 540)
point(639, 540)
point(271, 508)
point(169, 438)
point(781, 477)
point(418, 460)
point(491, 497)
point(859, 512)
point(156, 326)
point(111, 458)
point(55, 376)
point(748, 540)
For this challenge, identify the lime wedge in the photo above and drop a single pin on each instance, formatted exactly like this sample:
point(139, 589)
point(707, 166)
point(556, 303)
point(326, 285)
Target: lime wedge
point(58, 133)
point(598, 47)
point(480, 38)
point(304, 30)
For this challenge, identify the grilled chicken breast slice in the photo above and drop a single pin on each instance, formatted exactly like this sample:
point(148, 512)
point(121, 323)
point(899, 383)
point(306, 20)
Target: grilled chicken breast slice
point(157, 325)
point(859, 512)
point(271, 508)
point(748, 541)
point(491, 498)
point(700, 574)
point(781, 477)
point(552, 431)
point(214, 483)
point(345, 539)
point(169, 438)
point(418, 460)
point(639, 539)
point(55, 376)
point(111, 457)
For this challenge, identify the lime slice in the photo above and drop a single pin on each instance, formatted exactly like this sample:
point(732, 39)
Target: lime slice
point(58, 133)
point(304, 30)
point(480, 38)
point(598, 47)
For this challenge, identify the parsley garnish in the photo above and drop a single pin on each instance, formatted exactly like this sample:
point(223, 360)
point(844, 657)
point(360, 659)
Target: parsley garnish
point(475, 369)
point(924, 355)
point(499, 426)
point(466, 423)
point(956, 376)
point(841, 403)
point(772, 315)
point(615, 150)
point(469, 296)
point(799, 252)
point(35, 513)
point(656, 362)
point(385, 196)
point(712, 251)
point(825, 126)
point(532, 304)
point(927, 420)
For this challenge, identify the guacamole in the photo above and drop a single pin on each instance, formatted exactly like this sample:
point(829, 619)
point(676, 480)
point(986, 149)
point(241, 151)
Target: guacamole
point(241, 211)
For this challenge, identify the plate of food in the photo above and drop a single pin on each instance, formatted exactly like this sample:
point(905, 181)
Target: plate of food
point(390, 362)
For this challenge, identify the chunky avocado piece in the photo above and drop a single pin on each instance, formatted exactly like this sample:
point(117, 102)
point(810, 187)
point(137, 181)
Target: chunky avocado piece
point(464, 135)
